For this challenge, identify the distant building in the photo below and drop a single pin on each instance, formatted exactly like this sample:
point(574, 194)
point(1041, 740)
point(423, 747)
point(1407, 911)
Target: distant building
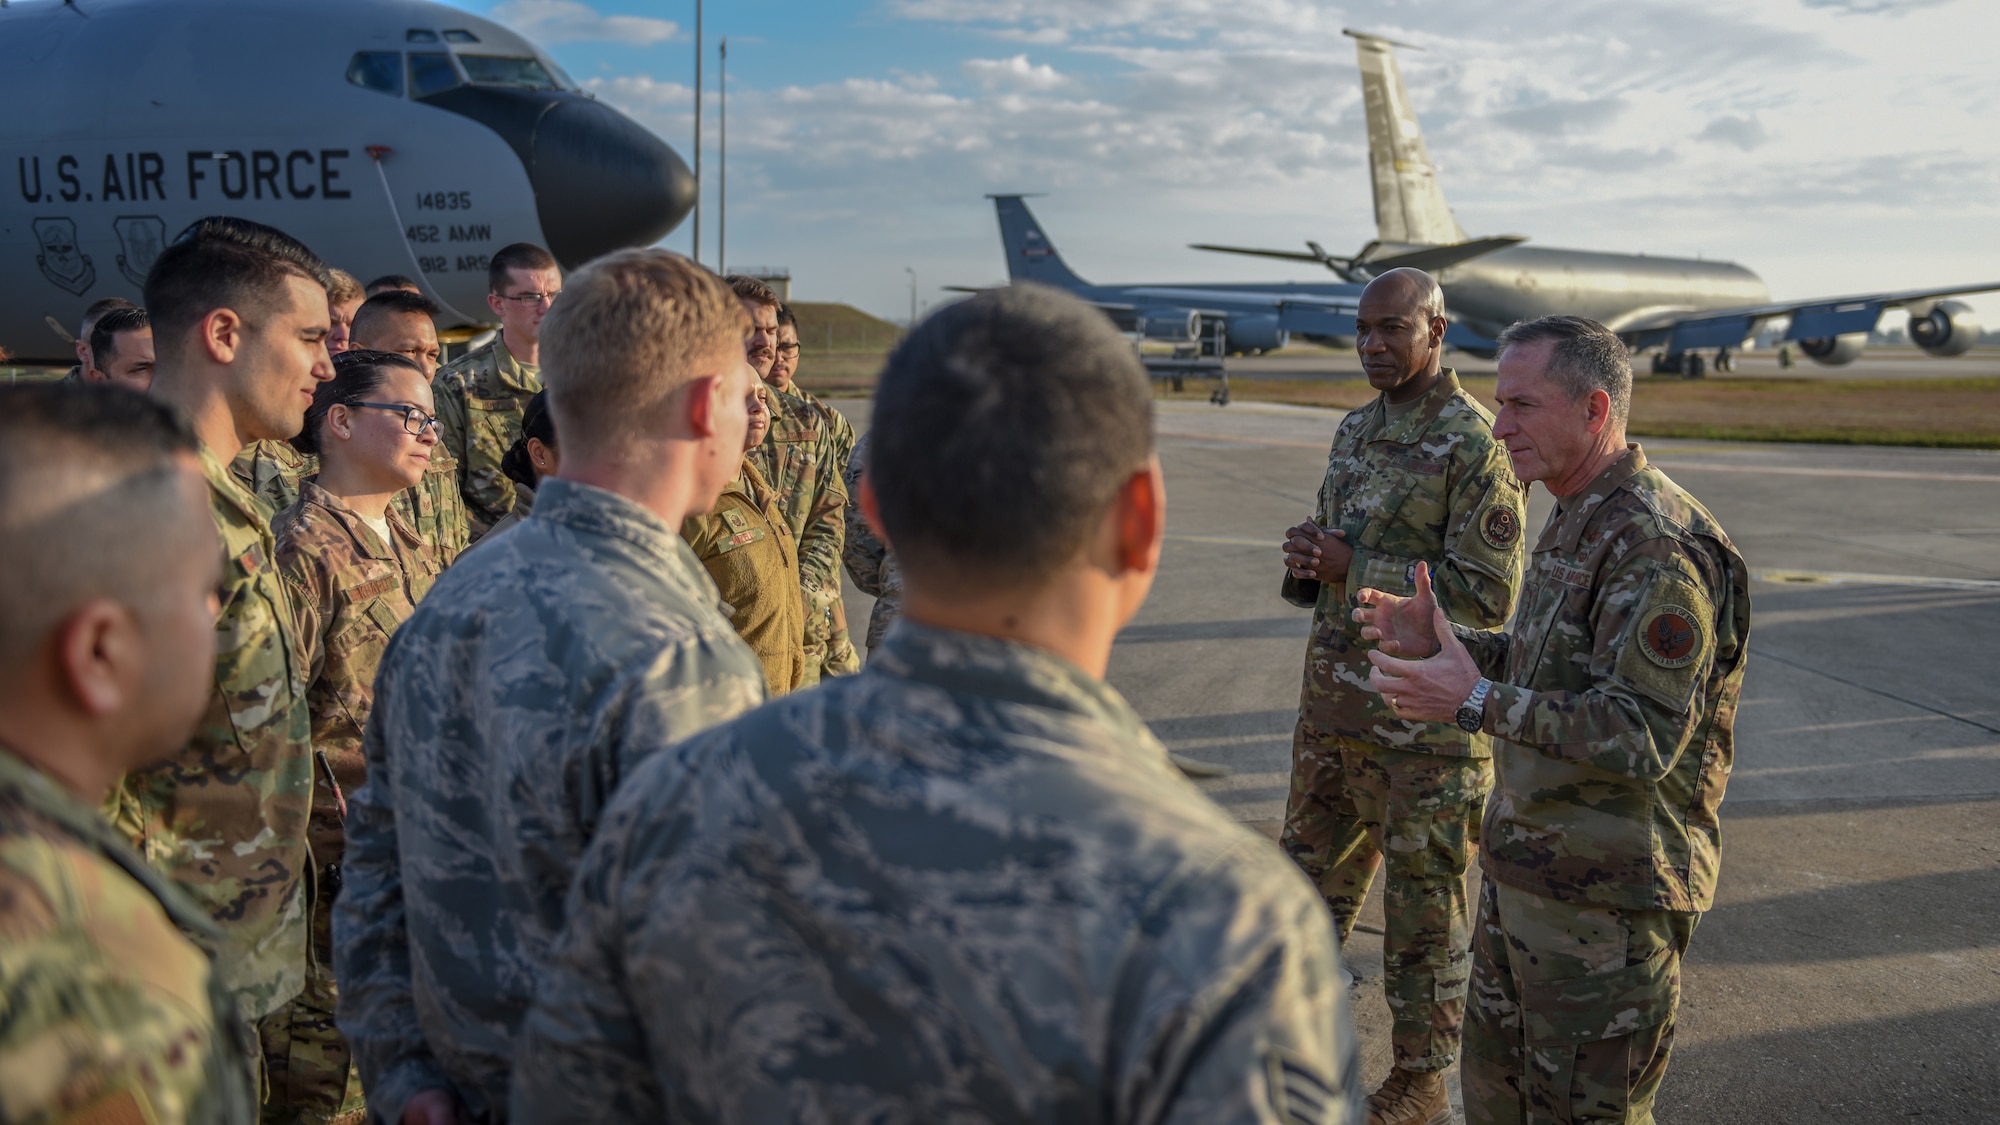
point(779, 278)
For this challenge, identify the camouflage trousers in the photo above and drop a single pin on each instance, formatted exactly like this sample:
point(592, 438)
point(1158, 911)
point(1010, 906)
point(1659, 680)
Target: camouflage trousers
point(310, 1077)
point(1352, 805)
point(829, 652)
point(1572, 1009)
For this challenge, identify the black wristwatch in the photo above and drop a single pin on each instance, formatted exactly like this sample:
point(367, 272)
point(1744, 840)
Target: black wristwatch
point(1471, 714)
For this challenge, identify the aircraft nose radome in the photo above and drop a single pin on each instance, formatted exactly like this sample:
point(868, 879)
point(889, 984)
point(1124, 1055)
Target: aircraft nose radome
point(602, 182)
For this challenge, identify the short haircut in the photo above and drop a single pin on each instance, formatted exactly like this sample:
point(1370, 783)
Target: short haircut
point(341, 287)
point(626, 337)
point(223, 263)
point(104, 337)
point(1004, 426)
point(87, 499)
point(394, 302)
point(754, 291)
point(786, 316)
point(536, 424)
point(1586, 357)
point(96, 310)
point(390, 281)
point(358, 374)
point(1429, 294)
point(517, 256)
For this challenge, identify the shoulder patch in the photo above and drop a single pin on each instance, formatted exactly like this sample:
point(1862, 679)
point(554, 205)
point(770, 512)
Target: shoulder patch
point(1670, 636)
point(1500, 527)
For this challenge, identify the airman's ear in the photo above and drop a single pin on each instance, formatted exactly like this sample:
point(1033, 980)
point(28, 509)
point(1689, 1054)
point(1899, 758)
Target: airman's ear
point(1139, 515)
point(98, 649)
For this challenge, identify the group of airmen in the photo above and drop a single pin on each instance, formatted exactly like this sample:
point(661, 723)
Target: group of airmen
point(387, 742)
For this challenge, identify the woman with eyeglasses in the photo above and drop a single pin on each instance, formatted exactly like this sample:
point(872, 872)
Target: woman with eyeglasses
point(356, 571)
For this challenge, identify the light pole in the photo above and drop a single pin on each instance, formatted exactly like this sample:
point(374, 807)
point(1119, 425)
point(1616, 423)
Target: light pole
point(722, 168)
point(697, 132)
point(912, 271)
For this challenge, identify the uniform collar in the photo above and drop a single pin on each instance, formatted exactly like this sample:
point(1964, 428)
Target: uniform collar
point(970, 664)
point(1411, 427)
point(357, 528)
point(224, 483)
point(1566, 525)
point(595, 511)
point(48, 798)
point(525, 378)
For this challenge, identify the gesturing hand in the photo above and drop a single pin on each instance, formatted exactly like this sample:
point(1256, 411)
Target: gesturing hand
point(1315, 553)
point(1401, 626)
point(1422, 690)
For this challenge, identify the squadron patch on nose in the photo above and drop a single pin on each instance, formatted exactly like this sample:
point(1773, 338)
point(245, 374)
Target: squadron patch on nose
point(1500, 528)
point(1670, 637)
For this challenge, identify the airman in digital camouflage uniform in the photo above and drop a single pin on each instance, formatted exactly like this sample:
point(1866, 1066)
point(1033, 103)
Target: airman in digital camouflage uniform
point(1613, 702)
point(540, 670)
point(355, 570)
point(1413, 476)
point(801, 457)
point(869, 561)
point(965, 884)
point(225, 817)
point(113, 1012)
point(481, 394)
point(747, 548)
point(403, 322)
point(841, 657)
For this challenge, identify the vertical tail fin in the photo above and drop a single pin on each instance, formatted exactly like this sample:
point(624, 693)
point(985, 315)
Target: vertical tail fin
point(1030, 254)
point(1409, 203)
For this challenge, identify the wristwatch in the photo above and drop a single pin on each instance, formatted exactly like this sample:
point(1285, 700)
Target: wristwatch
point(1471, 714)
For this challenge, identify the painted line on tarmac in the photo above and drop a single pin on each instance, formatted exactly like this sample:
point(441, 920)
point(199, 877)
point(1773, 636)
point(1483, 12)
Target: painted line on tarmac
point(1825, 577)
point(1668, 460)
point(1314, 445)
point(1225, 540)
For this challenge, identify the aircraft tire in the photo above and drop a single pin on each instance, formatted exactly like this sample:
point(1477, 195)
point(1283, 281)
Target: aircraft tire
point(1694, 365)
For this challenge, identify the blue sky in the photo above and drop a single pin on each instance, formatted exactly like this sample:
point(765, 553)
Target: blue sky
point(1831, 145)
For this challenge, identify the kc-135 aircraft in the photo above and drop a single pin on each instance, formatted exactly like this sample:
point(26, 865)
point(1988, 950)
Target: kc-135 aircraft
point(391, 136)
point(1677, 305)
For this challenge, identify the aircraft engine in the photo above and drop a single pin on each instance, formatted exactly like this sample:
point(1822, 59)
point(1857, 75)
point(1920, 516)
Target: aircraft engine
point(1169, 324)
point(1950, 329)
point(1835, 351)
point(1253, 334)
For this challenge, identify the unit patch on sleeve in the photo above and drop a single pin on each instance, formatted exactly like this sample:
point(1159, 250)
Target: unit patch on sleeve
point(1500, 527)
point(1670, 637)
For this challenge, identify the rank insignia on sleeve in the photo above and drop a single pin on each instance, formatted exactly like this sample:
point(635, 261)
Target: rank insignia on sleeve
point(1670, 637)
point(1500, 527)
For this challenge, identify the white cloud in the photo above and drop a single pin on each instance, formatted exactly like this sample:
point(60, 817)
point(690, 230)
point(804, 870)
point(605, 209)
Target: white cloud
point(1746, 133)
point(1016, 72)
point(569, 21)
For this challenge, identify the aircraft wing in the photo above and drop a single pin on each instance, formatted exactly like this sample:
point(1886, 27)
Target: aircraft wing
point(1287, 255)
point(1371, 262)
point(1814, 319)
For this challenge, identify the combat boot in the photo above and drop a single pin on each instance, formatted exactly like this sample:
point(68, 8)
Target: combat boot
point(1410, 1097)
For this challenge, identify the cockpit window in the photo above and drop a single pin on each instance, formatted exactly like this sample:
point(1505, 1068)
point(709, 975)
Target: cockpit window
point(492, 70)
point(420, 35)
point(459, 35)
point(377, 70)
point(431, 73)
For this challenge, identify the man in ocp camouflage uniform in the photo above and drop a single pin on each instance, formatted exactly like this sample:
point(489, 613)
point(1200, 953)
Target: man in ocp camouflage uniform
point(841, 657)
point(225, 817)
point(1414, 476)
point(869, 561)
point(1613, 700)
point(480, 395)
point(111, 1012)
point(965, 884)
point(801, 458)
point(539, 671)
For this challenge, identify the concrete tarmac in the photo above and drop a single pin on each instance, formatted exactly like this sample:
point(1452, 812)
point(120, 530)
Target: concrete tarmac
point(1851, 968)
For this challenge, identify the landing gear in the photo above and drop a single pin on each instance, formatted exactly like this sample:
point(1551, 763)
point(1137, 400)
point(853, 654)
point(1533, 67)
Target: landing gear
point(1725, 360)
point(1693, 366)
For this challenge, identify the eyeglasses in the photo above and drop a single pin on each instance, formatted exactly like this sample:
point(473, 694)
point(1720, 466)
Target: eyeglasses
point(414, 419)
point(532, 298)
point(788, 349)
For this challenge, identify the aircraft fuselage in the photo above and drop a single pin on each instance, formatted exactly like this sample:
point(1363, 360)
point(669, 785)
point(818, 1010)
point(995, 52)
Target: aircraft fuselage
point(1524, 282)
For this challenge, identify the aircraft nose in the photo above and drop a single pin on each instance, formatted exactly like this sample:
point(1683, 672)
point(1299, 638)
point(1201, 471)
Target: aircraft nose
point(603, 182)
